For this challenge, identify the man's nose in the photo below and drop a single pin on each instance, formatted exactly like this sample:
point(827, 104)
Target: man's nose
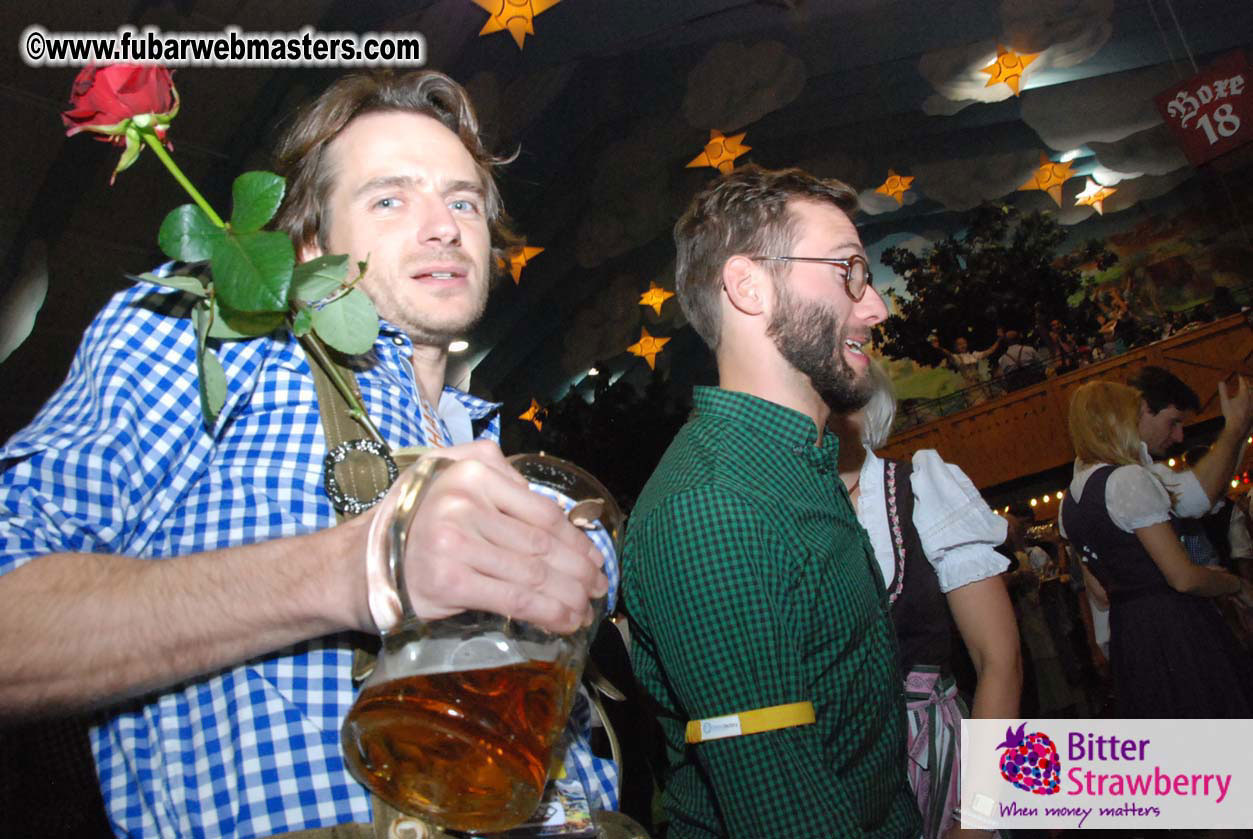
point(871, 307)
point(435, 222)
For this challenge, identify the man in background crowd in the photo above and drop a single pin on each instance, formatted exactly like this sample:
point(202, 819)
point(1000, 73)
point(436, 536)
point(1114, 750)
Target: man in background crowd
point(759, 618)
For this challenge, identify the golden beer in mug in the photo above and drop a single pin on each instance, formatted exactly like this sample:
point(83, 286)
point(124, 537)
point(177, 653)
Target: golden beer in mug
point(461, 721)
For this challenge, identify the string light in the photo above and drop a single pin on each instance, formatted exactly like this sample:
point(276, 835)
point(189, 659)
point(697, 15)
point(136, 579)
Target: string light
point(459, 346)
point(1033, 502)
point(1171, 463)
point(593, 372)
point(1059, 495)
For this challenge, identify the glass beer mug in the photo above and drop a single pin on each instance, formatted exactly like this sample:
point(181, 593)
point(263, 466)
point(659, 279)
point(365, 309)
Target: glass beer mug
point(461, 720)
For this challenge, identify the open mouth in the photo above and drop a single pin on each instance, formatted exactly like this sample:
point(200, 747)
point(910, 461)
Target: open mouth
point(854, 347)
point(442, 273)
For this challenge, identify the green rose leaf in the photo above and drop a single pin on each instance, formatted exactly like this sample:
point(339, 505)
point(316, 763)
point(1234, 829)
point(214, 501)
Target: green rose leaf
point(182, 282)
point(319, 278)
point(188, 235)
point(252, 271)
point(211, 376)
point(349, 324)
point(302, 323)
point(256, 196)
point(212, 385)
point(233, 325)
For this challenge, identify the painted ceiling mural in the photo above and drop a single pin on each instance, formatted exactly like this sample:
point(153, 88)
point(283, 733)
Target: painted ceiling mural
point(620, 111)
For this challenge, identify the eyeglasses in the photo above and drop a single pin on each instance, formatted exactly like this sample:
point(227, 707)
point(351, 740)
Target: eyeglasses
point(857, 276)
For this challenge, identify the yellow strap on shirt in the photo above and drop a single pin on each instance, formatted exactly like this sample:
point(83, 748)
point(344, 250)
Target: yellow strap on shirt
point(750, 722)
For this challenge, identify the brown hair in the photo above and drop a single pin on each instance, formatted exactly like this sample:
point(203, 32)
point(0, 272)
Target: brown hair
point(301, 155)
point(1104, 423)
point(744, 212)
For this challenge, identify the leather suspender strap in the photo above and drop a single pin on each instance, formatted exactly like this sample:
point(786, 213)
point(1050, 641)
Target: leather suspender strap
point(750, 722)
point(358, 471)
point(362, 477)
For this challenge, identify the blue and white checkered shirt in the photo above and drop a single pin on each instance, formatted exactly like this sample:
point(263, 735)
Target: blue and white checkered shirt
point(119, 461)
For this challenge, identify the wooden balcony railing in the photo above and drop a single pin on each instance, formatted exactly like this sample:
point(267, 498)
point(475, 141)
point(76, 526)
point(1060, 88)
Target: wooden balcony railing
point(1024, 432)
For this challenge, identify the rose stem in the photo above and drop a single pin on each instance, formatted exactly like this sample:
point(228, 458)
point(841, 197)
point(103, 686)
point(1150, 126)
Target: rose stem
point(163, 155)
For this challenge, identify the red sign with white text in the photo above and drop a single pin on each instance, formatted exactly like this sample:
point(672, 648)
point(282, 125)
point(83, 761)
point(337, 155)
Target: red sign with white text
point(1212, 113)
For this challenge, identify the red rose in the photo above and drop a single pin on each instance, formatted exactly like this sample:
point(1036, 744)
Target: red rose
point(104, 98)
point(122, 102)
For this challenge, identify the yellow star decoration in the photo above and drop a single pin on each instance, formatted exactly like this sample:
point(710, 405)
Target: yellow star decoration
point(896, 186)
point(532, 415)
point(517, 16)
point(720, 152)
point(1008, 67)
point(1049, 178)
point(1094, 196)
point(518, 258)
point(655, 297)
point(647, 348)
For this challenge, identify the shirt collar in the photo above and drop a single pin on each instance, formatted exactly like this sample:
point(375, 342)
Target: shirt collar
point(477, 408)
point(787, 426)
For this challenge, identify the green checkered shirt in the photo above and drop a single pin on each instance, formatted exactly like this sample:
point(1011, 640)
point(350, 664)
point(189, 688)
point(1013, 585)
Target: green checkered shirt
point(749, 584)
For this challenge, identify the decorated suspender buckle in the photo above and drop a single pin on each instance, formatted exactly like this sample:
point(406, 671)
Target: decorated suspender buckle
point(344, 503)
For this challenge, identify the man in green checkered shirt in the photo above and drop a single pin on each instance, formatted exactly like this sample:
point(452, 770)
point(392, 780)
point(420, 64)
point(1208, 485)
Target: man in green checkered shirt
point(749, 582)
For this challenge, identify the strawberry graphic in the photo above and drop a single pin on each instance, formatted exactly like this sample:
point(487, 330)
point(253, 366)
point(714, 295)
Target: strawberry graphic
point(1030, 762)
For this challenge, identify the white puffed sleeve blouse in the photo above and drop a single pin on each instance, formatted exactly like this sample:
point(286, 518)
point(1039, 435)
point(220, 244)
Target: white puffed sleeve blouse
point(957, 528)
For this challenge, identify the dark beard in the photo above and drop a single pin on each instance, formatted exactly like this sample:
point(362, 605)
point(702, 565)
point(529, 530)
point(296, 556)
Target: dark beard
point(811, 338)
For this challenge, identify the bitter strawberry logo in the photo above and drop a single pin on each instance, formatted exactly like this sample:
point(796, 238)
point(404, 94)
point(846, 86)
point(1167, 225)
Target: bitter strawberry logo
point(1030, 762)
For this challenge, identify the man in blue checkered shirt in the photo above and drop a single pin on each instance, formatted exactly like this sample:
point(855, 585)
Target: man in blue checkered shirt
point(223, 670)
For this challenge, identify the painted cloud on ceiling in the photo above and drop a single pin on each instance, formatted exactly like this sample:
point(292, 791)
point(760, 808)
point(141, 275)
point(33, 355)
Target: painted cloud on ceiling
point(1113, 107)
point(604, 327)
point(505, 113)
point(525, 98)
point(875, 203)
point(620, 223)
point(735, 85)
point(1073, 29)
point(634, 198)
point(963, 183)
point(1065, 33)
point(1133, 192)
point(1152, 151)
point(839, 164)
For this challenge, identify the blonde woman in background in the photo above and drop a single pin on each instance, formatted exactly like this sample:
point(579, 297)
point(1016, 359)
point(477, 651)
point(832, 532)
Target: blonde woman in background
point(1170, 653)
